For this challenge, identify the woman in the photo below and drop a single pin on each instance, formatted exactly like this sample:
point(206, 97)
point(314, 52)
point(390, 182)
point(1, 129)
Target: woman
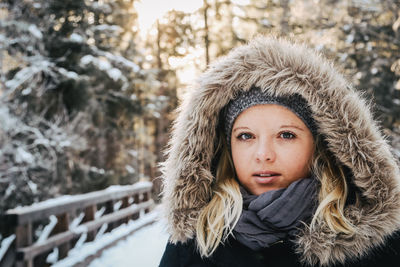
point(275, 160)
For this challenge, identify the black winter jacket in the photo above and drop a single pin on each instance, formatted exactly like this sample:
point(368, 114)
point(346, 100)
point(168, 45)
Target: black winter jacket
point(281, 254)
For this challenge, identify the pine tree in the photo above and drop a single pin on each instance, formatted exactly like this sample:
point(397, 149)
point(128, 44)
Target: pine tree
point(74, 92)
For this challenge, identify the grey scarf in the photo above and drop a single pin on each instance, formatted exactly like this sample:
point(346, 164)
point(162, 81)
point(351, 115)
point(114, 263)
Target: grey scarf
point(275, 215)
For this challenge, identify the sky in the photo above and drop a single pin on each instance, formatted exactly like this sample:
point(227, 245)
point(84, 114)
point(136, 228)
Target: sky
point(150, 10)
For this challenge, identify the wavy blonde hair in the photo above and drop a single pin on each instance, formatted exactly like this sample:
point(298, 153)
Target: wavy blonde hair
point(217, 219)
point(333, 190)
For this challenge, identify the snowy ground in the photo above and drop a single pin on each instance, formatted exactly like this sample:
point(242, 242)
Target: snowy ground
point(143, 248)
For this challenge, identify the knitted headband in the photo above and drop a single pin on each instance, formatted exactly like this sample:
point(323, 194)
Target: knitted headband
point(296, 103)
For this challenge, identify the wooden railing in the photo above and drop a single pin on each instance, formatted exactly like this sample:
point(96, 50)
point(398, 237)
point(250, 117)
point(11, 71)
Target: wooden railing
point(63, 221)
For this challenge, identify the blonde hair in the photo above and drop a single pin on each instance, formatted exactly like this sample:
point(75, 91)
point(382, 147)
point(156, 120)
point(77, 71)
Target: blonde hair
point(217, 220)
point(333, 191)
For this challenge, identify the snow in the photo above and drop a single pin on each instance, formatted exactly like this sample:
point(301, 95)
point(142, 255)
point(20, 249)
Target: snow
point(23, 156)
point(32, 186)
point(53, 256)
point(106, 27)
point(76, 221)
point(117, 205)
point(86, 59)
point(47, 229)
point(81, 241)
point(5, 244)
point(133, 153)
point(103, 64)
point(346, 27)
point(9, 190)
point(123, 61)
point(7, 121)
point(140, 184)
point(143, 242)
point(102, 7)
point(34, 30)
point(21, 76)
point(343, 57)
point(350, 38)
point(99, 213)
point(81, 229)
point(25, 74)
point(69, 74)
point(27, 91)
point(76, 38)
point(62, 200)
point(101, 231)
point(94, 169)
point(129, 168)
point(114, 74)
point(47, 203)
point(143, 248)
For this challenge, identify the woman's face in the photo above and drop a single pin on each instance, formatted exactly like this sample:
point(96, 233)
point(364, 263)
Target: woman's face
point(271, 148)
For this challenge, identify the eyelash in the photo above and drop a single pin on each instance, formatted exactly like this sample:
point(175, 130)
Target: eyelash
point(239, 137)
point(293, 136)
point(250, 136)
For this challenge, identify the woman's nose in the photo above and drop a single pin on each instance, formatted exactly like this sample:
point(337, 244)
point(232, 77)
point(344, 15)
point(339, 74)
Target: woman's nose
point(265, 152)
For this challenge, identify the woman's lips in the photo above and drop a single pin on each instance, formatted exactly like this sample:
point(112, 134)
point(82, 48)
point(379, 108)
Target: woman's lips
point(266, 179)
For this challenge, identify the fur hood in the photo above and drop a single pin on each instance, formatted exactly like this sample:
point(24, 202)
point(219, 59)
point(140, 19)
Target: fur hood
point(280, 67)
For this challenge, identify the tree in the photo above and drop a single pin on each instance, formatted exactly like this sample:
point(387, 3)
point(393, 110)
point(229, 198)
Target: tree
point(72, 98)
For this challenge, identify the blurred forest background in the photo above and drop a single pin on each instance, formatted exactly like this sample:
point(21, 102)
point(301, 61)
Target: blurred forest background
point(87, 94)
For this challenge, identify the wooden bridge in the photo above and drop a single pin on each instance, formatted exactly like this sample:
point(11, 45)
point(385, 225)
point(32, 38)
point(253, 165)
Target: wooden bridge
point(65, 222)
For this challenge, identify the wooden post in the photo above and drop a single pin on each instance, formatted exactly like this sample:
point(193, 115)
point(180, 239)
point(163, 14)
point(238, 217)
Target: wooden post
point(62, 226)
point(28, 263)
point(110, 209)
point(23, 238)
point(136, 201)
point(125, 204)
point(23, 235)
point(146, 197)
point(90, 213)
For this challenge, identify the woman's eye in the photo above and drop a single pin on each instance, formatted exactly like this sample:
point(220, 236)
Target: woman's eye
point(287, 135)
point(244, 136)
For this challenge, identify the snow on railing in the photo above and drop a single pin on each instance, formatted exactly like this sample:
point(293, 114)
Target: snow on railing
point(99, 213)
point(5, 245)
point(47, 229)
point(90, 249)
point(73, 222)
point(77, 221)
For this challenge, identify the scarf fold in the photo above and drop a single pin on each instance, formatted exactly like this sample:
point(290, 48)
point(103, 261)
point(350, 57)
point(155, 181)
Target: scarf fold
point(275, 215)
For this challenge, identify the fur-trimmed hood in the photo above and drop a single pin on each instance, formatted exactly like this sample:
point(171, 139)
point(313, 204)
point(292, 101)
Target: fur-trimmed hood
point(280, 67)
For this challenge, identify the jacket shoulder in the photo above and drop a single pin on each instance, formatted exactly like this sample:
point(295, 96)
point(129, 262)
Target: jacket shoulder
point(229, 254)
point(183, 254)
point(385, 255)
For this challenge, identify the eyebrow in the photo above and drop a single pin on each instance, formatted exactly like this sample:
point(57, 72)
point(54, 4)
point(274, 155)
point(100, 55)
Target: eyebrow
point(238, 128)
point(292, 126)
point(282, 126)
